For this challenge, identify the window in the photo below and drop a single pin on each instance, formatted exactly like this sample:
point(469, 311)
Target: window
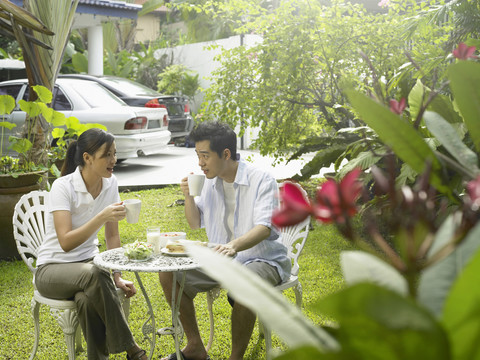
point(11, 90)
point(60, 101)
point(96, 95)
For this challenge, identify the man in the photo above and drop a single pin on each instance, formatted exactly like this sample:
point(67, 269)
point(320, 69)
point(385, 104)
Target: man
point(235, 207)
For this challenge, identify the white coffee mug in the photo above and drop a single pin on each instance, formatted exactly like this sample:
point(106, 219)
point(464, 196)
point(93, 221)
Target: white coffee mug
point(133, 207)
point(195, 184)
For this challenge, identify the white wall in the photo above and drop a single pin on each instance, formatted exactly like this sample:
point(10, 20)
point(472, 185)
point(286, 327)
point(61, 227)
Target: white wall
point(198, 58)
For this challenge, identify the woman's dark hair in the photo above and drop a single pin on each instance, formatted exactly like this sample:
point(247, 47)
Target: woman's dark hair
point(220, 135)
point(88, 142)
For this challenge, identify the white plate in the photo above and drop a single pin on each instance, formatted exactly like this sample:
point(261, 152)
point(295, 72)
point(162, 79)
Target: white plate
point(167, 252)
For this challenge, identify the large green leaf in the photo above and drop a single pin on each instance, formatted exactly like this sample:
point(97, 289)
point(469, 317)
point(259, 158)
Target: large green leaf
point(398, 134)
point(44, 95)
point(450, 139)
point(259, 296)
point(58, 133)
point(441, 104)
point(360, 266)
point(7, 104)
point(364, 160)
point(461, 314)
point(436, 281)
point(19, 145)
point(464, 79)
point(57, 119)
point(416, 98)
point(80, 62)
point(379, 324)
point(45, 62)
point(7, 124)
point(323, 158)
point(31, 108)
point(24, 17)
point(407, 175)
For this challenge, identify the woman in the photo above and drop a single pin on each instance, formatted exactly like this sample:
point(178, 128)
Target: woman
point(81, 202)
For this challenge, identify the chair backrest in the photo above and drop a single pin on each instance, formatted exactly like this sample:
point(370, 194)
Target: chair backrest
point(29, 225)
point(294, 238)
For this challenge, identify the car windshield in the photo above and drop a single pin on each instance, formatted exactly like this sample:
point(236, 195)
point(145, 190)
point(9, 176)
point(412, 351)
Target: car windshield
point(129, 87)
point(96, 95)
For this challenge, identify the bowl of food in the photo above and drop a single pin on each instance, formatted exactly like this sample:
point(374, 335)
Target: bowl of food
point(138, 251)
point(165, 237)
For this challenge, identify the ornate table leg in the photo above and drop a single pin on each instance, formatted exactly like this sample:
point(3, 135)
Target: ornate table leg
point(148, 328)
point(177, 327)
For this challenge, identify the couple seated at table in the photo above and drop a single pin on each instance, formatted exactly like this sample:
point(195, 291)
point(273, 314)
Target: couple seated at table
point(235, 206)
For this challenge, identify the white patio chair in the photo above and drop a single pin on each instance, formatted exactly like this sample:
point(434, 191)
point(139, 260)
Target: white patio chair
point(29, 233)
point(294, 238)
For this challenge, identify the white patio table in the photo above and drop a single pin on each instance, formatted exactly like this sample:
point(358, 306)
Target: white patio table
point(115, 260)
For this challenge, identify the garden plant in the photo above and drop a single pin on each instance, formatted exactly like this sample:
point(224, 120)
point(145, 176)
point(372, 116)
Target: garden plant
point(413, 285)
point(291, 84)
point(42, 39)
point(61, 130)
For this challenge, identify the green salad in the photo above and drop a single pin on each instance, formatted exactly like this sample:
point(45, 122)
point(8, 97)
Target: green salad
point(138, 250)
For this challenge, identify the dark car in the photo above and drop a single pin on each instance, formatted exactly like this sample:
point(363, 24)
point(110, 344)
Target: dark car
point(136, 94)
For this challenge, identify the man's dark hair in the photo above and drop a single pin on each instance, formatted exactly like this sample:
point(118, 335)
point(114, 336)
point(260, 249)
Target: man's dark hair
point(220, 135)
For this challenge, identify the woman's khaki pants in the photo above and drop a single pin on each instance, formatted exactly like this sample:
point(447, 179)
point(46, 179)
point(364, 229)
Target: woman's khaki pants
point(99, 310)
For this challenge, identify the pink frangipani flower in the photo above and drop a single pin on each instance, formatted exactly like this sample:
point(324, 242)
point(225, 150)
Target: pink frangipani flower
point(397, 107)
point(473, 189)
point(334, 201)
point(295, 206)
point(464, 52)
point(337, 200)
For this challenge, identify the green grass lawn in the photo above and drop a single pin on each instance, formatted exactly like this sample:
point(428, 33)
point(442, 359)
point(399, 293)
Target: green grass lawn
point(320, 275)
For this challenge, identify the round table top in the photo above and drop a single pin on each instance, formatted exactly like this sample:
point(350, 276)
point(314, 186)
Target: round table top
point(114, 259)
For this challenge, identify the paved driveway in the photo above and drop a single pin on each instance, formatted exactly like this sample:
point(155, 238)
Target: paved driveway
point(175, 163)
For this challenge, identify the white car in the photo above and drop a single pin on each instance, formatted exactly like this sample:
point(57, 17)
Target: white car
point(138, 131)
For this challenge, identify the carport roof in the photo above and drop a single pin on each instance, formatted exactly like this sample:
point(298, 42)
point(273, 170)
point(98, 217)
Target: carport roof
point(94, 12)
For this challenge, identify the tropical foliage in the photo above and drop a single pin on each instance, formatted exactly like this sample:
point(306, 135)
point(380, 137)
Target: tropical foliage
point(291, 84)
point(405, 293)
point(42, 39)
point(62, 128)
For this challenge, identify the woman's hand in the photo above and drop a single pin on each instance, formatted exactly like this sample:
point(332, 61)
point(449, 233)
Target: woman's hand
point(114, 212)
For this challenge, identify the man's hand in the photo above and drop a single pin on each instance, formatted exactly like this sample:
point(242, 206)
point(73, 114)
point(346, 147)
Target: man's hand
point(225, 249)
point(184, 186)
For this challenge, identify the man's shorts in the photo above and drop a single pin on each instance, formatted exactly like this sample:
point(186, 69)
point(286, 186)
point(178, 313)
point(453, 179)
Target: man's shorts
point(197, 281)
